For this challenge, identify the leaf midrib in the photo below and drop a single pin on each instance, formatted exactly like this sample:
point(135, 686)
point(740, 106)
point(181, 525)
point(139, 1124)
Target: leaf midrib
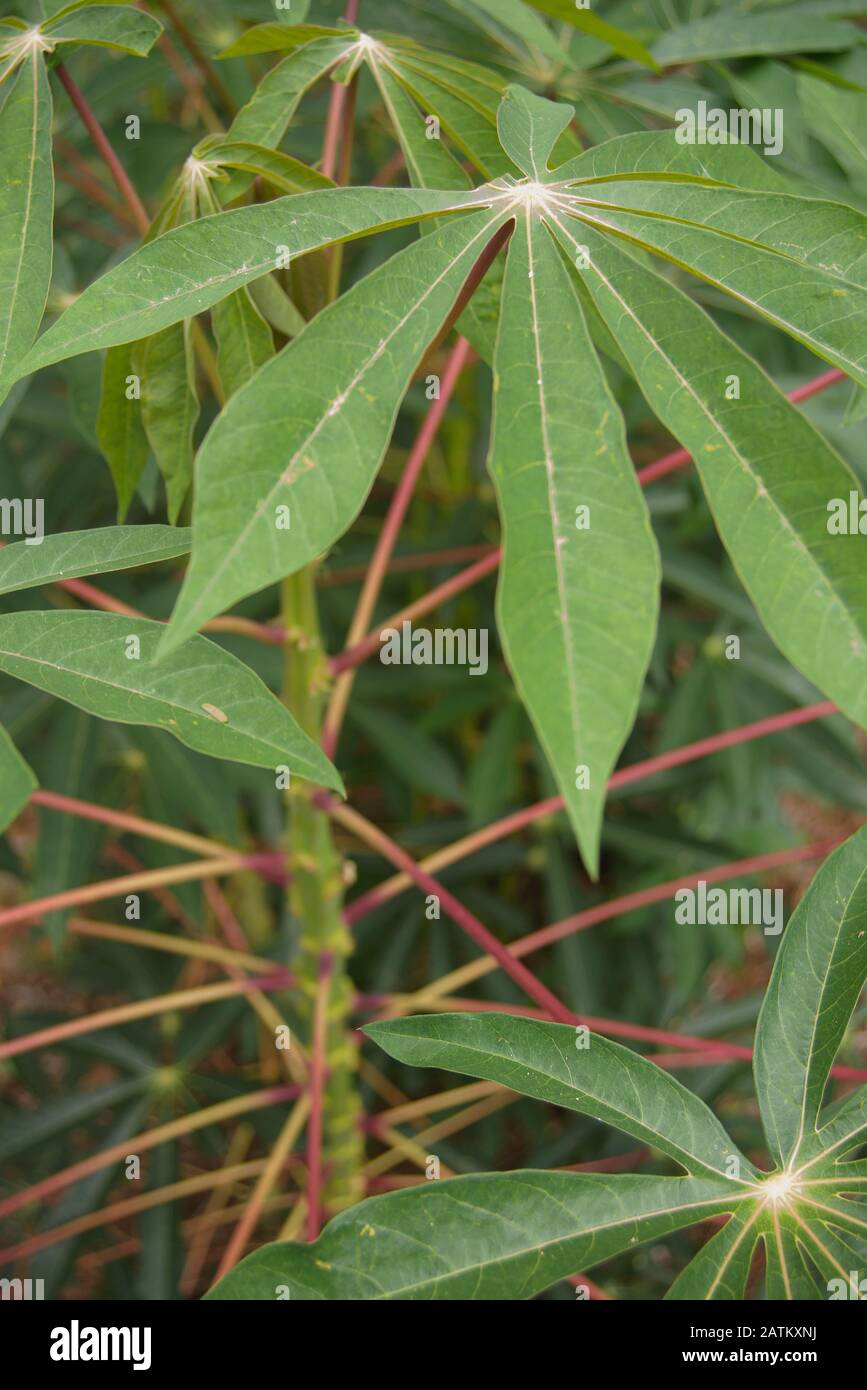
point(328, 414)
point(718, 428)
point(28, 210)
point(557, 1080)
point(99, 678)
point(555, 1241)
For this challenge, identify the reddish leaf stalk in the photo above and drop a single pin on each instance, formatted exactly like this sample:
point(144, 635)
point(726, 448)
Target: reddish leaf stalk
point(101, 141)
point(353, 656)
point(388, 535)
point(519, 820)
point(466, 920)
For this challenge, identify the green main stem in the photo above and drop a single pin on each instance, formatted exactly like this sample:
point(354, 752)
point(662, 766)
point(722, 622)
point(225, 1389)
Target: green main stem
point(316, 902)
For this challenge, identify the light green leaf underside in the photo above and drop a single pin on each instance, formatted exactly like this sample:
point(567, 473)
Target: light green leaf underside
point(123, 27)
point(266, 116)
point(789, 1276)
point(82, 658)
point(274, 304)
point(798, 262)
point(543, 1060)
point(428, 162)
point(494, 1236)
point(842, 1127)
point(725, 35)
point(76, 553)
point(17, 781)
point(577, 608)
point(313, 424)
point(529, 128)
point(119, 426)
point(768, 474)
point(835, 1255)
point(466, 110)
point(659, 153)
point(818, 974)
point(191, 267)
point(720, 1269)
point(26, 212)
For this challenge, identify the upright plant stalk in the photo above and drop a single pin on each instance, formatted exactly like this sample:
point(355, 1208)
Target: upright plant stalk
point(316, 902)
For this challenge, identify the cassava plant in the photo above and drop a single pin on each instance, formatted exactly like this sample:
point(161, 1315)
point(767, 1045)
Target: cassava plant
point(470, 231)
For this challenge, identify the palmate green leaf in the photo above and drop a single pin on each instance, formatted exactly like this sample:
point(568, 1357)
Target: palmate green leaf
point(818, 975)
point(498, 1236)
point(75, 553)
point(165, 363)
point(26, 211)
point(17, 781)
point(413, 754)
point(726, 35)
point(463, 96)
point(587, 1073)
point(313, 424)
point(191, 267)
point(55, 1114)
point(576, 608)
point(487, 1237)
point(203, 696)
point(123, 27)
point(768, 474)
point(119, 427)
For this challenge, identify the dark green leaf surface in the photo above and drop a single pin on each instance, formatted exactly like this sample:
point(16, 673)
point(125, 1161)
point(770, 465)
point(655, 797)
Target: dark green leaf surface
point(818, 975)
point(313, 424)
point(576, 605)
point(203, 695)
point(188, 269)
point(545, 1060)
point(495, 1236)
point(26, 211)
point(76, 553)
